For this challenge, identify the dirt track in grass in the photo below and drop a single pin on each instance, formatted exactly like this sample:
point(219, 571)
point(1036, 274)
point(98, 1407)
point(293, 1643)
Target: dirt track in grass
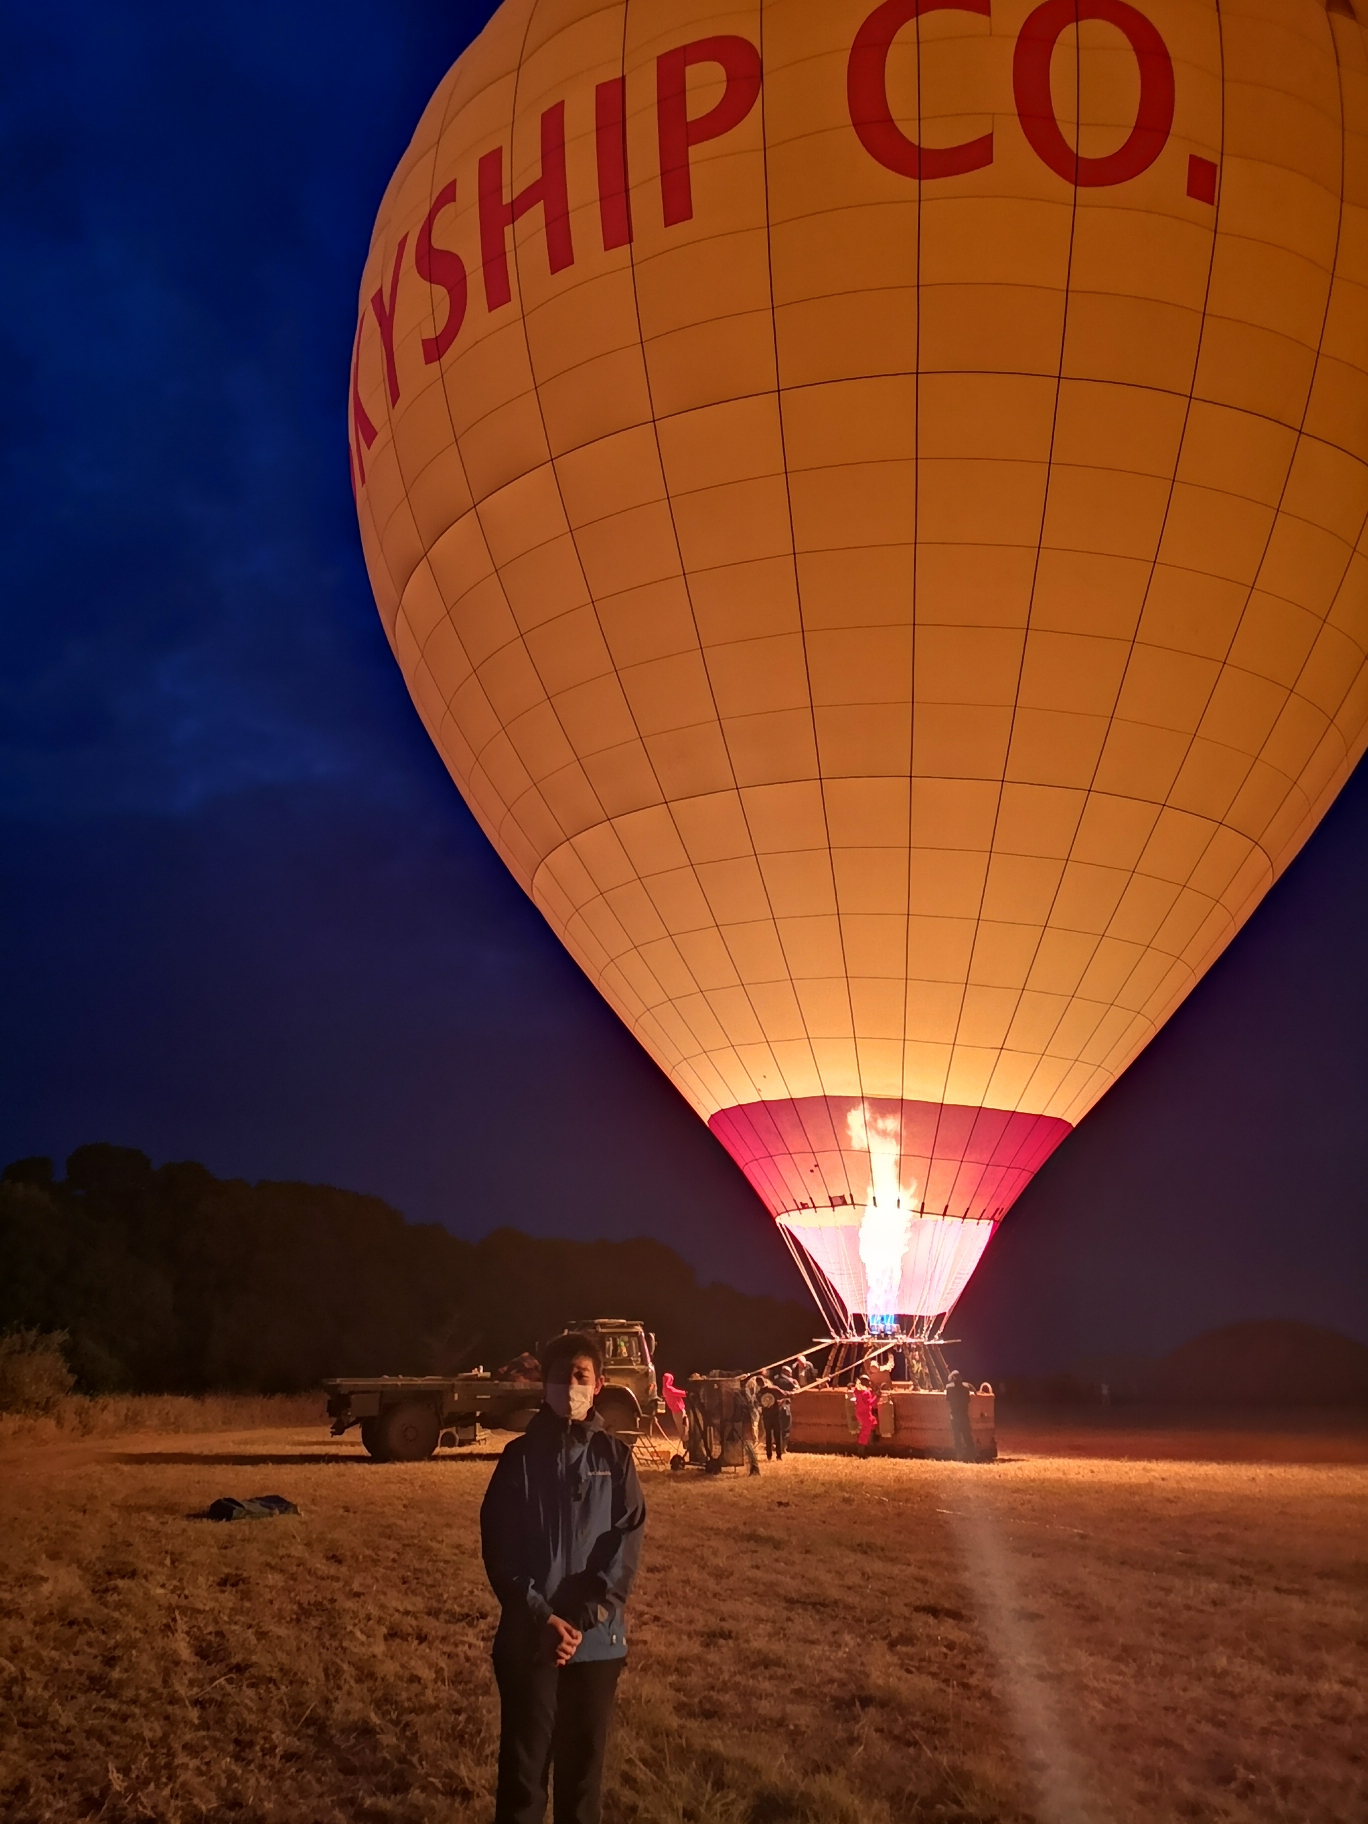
point(1054, 1637)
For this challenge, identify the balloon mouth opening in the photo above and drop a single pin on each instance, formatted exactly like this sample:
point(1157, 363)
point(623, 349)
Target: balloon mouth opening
point(887, 1205)
point(889, 1268)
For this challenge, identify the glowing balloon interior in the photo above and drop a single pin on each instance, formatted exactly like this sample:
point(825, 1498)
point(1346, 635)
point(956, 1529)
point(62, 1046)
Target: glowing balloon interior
point(869, 503)
point(893, 1201)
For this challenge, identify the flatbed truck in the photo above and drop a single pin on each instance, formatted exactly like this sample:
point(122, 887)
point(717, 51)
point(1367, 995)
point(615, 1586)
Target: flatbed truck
point(404, 1418)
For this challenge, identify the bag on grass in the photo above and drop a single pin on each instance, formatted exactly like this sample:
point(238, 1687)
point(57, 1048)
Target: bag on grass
point(257, 1507)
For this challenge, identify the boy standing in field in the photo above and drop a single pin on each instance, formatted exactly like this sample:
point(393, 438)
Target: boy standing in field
point(560, 1529)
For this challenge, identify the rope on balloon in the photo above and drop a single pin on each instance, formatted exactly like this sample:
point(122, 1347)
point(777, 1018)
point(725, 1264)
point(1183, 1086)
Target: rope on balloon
point(824, 1295)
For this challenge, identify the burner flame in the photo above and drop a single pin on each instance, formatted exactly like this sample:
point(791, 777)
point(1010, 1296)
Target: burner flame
point(886, 1225)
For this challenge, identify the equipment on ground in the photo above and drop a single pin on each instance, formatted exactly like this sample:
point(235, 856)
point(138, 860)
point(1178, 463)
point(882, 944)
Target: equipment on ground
point(404, 1418)
point(714, 1436)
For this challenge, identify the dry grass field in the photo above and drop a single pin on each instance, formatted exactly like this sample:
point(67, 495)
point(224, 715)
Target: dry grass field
point(1052, 1638)
point(110, 1415)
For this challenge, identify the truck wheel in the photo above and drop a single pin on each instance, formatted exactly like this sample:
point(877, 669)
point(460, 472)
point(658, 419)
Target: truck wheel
point(370, 1437)
point(408, 1433)
point(619, 1413)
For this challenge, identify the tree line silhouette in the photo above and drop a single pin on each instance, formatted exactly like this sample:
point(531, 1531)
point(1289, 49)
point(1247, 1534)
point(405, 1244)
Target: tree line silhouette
point(169, 1280)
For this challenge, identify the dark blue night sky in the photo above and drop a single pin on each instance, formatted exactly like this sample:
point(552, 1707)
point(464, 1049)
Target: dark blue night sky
point(247, 918)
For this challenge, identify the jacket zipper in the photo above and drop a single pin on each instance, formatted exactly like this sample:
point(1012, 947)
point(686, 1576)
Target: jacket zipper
point(565, 1502)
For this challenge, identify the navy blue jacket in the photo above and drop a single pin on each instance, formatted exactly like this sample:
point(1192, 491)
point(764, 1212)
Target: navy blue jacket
point(560, 1528)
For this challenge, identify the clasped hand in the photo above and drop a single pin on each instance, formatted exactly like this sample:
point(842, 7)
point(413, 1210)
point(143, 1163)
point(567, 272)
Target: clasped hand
point(563, 1639)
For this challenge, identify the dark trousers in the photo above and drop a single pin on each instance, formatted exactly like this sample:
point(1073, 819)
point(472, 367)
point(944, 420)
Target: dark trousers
point(776, 1431)
point(553, 1719)
point(962, 1435)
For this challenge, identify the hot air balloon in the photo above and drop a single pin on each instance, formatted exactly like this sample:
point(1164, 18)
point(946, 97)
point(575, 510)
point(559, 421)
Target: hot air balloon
point(869, 504)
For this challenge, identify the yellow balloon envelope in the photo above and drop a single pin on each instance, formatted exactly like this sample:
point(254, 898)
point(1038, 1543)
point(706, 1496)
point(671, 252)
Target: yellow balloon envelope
point(869, 503)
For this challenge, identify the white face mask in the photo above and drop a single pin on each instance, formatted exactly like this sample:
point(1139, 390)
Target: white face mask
point(569, 1399)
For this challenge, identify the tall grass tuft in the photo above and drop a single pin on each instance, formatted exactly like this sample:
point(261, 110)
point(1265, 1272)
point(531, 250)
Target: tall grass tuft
point(34, 1377)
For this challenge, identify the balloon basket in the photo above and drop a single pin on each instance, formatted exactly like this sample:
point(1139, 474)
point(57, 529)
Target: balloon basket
point(912, 1423)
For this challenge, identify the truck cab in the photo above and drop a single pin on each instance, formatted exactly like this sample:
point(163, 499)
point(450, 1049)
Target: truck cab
point(630, 1396)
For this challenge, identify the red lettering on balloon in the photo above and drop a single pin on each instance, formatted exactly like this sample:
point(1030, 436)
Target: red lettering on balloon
point(384, 315)
point(1035, 108)
point(867, 96)
point(1201, 179)
point(497, 216)
point(740, 62)
point(441, 266)
point(610, 144)
point(362, 428)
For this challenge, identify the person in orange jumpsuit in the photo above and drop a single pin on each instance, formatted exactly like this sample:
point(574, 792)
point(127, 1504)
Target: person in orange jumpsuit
point(866, 1412)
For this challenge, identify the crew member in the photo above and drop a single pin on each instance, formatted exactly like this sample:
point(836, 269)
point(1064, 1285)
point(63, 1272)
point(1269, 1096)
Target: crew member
point(788, 1386)
point(866, 1412)
point(675, 1401)
point(777, 1415)
point(957, 1394)
point(743, 1426)
point(561, 1530)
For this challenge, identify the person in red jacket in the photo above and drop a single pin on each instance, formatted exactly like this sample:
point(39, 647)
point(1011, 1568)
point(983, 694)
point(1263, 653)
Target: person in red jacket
point(675, 1401)
point(866, 1412)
